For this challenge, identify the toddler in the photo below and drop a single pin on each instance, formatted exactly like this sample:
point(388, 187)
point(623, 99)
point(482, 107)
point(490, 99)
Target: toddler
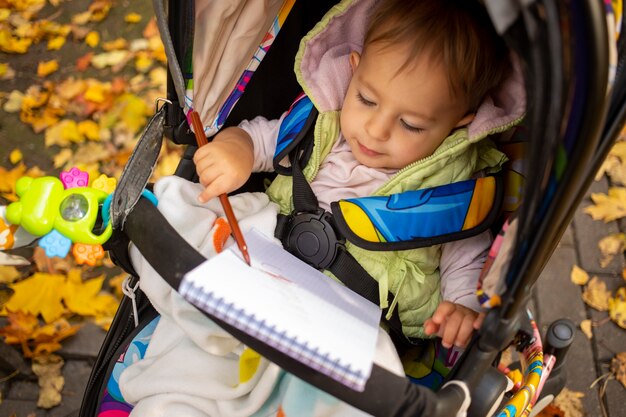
point(404, 102)
point(422, 73)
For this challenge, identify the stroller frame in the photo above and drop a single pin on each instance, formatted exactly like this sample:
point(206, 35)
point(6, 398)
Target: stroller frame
point(562, 109)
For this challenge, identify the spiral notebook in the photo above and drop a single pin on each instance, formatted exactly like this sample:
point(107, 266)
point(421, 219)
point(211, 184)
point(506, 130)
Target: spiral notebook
point(290, 306)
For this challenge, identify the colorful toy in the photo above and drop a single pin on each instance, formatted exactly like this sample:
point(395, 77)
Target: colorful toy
point(65, 211)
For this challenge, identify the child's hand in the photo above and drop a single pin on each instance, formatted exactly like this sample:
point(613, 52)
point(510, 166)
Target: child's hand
point(224, 164)
point(453, 323)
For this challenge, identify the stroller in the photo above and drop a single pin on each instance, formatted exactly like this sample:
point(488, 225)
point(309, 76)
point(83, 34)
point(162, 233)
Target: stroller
point(576, 103)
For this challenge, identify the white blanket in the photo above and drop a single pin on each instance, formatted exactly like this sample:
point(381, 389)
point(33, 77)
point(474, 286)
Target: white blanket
point(192, 367)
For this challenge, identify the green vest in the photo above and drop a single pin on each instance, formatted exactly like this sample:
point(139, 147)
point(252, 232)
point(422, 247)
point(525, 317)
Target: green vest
point(412, 276)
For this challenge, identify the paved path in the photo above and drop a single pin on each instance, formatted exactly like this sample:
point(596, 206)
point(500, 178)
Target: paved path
point(554, 297)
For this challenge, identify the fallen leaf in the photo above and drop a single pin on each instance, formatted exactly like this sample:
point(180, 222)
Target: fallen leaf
point(596, 295)
point(551, 410)
point(116, 44)
point(61, 158)
point(132, 18)
point(618, 367)
point(24, 329)
point(610, 246)
point(89, 129)
point(40, 293)
point(585, 326)
point(579, 276)
point(92, 39)
point(51, 381)
point(110, 59)
point(8, 274)
point(151, 29)
point(15, 156)
point(569, 402)
point(14, 102)
point(617, 307)
point(84, 61)
point(84, 297)
point(608, 207)
point(81, 18)
point(56, 43)
point(99, 10)
point(6, 72)
point(8, 178)
point(143, 62)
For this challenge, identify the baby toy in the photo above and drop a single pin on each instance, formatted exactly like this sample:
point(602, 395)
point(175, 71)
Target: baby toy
point(65, 211)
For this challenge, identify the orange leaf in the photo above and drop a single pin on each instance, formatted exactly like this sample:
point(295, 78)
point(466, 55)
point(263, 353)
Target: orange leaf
point(84, 61)
point(46, 68)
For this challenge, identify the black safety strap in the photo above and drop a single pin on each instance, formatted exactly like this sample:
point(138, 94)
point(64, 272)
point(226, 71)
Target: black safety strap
point(304, 199)
point(345, 266)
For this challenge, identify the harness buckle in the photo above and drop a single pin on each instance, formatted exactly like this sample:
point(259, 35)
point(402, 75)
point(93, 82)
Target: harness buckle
point(313, 238)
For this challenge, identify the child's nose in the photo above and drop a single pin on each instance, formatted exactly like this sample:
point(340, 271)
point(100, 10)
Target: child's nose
point(378, 127)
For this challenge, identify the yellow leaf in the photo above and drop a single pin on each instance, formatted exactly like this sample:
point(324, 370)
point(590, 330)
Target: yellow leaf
point(158, 77)
point(596, 295)
point(15, 156)
point(92, 39)
point(4, 14)
point(585, 326)
point(116, 44)
point(61, 158)
point(13, 45)
point(46, 68)
point(608, 207)
point(9, 177)
point(135, 111)
point(610, 246)
point(617, 307)
point(85, 297)
point(132, 18)
point(14, 102)
point(69, 132)
point(618, 367)
point(8, 274)
point(619, 150)
point(97, 92)
point(56, 43)
point(579, 276)
point(143, 62)
point(109, 59)
point(89, 129)
point(51, 381)
point(81, 18)
point(39, 294)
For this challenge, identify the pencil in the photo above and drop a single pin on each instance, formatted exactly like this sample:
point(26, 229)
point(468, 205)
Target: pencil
point(228, 209)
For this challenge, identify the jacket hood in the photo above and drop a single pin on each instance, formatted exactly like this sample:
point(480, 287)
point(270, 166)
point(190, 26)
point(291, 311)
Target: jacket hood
point(323, 69)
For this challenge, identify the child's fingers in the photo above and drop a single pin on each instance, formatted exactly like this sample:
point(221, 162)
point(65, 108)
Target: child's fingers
point(443, 310)
point(478, 321)
point(212, 190)
point(430, 327)
point(450, 330)
point(464, 332)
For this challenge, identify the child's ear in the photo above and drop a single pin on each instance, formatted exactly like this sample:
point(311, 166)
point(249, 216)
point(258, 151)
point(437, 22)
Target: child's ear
point(355, 58)
point(466, 120)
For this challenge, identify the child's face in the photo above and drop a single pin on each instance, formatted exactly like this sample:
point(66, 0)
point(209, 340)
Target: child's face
point(392, 118)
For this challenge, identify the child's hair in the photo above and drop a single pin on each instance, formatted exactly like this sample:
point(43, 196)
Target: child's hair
point(459, 33)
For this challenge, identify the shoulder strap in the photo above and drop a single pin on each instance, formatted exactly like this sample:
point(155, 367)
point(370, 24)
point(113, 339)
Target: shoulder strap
point(300, 119)
point(421, 218)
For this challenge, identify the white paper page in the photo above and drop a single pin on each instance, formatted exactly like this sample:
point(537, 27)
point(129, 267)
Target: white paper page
point(300, 302)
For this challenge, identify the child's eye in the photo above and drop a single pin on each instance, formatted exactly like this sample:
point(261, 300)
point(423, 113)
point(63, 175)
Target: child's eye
point(365, 101)
point(411, 128)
